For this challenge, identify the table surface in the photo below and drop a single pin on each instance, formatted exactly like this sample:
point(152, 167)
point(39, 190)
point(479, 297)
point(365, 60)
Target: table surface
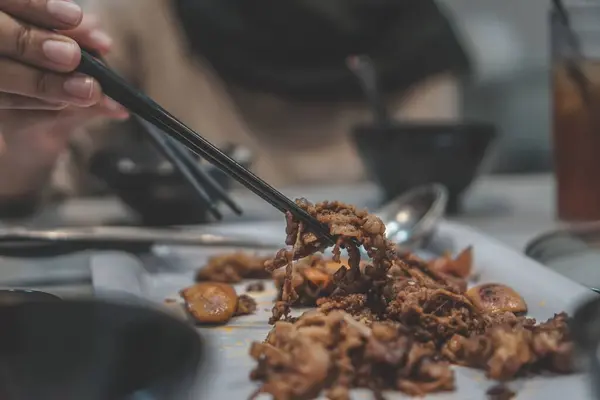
point(513, 209)
point(510, 208)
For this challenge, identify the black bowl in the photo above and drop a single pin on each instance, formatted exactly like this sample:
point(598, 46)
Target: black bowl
point(401, 156)
point(153, 189)
point(585, 328)
point(73, 350)
point(11, 297)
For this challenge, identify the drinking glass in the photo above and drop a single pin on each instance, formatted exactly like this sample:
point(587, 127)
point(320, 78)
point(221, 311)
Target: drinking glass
point(575, 80)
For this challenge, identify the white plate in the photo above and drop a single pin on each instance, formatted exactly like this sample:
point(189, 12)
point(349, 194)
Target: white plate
point(545, 292)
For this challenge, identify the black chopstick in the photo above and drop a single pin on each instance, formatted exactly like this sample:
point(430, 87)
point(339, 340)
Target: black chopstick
point(187, 166)
point(119, 90)
point(212, 186)
point(161, 143)
point(259, 187)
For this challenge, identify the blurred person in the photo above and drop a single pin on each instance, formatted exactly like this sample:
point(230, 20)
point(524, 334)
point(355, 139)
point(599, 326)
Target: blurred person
point(271, 76)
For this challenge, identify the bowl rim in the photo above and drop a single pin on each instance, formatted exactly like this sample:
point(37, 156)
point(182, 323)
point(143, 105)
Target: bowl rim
point(585, 323)
point(432, 127)
point(18, 291)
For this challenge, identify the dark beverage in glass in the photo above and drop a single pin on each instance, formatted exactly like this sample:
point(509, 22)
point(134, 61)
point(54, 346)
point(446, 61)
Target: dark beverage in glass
point(575, 80)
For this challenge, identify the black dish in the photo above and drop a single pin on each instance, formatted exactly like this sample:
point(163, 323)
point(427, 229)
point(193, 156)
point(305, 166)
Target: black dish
point(73, 350)
point(152, 188)
point(400, 156)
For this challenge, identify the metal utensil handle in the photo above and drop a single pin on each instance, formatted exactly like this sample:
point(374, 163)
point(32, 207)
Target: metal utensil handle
point(31, 244)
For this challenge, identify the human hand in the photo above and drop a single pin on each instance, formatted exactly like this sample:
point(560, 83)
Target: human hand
point(39, 52)
point(44, 130)
point(41, 100)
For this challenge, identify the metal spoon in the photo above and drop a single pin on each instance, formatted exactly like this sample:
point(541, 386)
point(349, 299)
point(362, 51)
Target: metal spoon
point(412, 218)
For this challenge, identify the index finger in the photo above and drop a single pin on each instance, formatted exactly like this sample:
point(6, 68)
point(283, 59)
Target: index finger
point(50, 14)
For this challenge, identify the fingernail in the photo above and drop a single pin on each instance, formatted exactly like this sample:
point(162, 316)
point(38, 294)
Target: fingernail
point(110, 104)
point(65, 11)
point(117, 110)
point(113, 106)
point(100, 38)
point(60, 52)
point(81, 87)
point(121, 117)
